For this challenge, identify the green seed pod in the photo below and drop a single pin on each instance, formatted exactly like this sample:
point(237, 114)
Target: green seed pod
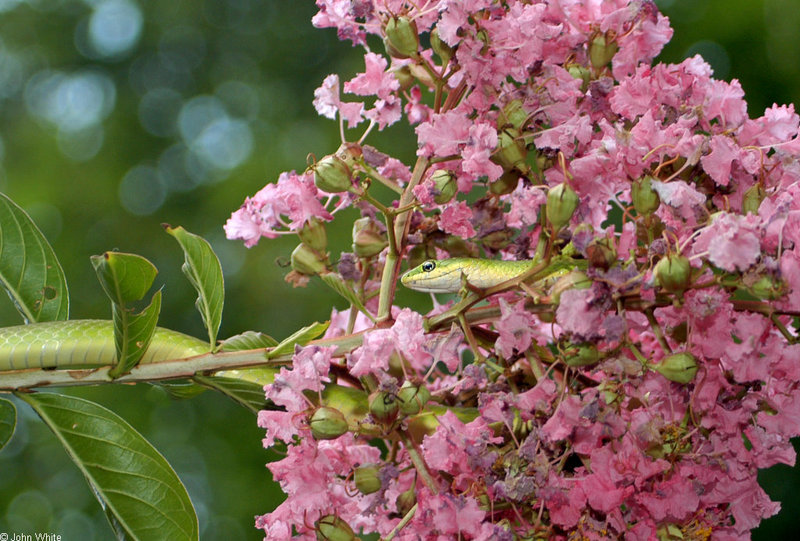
point(645, 198)
point(402, 38)
point(404, 77)
point(678, 367)
point(767, 288)
point(752, 199)
point(418, 254)
point(332, 175)
point(307, 261)
point(601, 51)
point(313, 235)
point(445, 186)
point(673, 273)
point(602, 253)
point(506, 184)
point(368, 241)
point(513, 115)
point(561, 204)
point(582, 73)
point(383, 406)
point(327, 423)
point(333, 528)
point(367, 479)
point(442, 49)
point(406, 500)
point(412, 398)
point(574, 279)
point(581, 354)
point(511, 151)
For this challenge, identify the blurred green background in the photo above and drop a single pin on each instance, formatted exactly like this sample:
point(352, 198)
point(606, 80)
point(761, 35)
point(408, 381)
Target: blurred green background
point(119, 115)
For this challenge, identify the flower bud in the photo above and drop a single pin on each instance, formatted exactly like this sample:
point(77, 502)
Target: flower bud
point(332, 175)
point(367, 479)
point(513, 115)
point(442, 49)
point(402, 38)
point(753, 196)
point(327, 423)
point(418, 254)
point(678, 367)
point(307, 261)
point(573, 279)
point(412, 397)
point(406, 500)
point(506, 184)
point(601, 51)
point(497, 240)
point(333, 528)
point(456, 247)
point(585, 354)
point(602, 253)
point(582, 73)
point(405, 77)
point(673, 273)
point(444, 185)
point(511, 151)
point(313, 234)
point(645, 198)
point(383, 406)
point(368, 241)
point(561, 204)
point(767, 288)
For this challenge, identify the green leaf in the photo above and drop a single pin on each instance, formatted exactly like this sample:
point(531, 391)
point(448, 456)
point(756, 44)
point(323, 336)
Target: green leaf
point(125, 278)
point(134, 484)
point(299, 338)
point(248, 340)
point(29, 269)
point(342, 288)
point(181, 389)
point(243, 392)
point(133, 333)
point(8, 421)
point(202, 268)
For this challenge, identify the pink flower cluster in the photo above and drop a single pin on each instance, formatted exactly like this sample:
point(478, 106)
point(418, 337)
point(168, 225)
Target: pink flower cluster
point(635, 397)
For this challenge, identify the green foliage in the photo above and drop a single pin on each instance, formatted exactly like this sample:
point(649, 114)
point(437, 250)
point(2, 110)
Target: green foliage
point(299, 338)
point(29, 269)
point(8, 421)
point(245, 393)
point(248, 340)
point(135, 485)
point(126, 278)
point(204, 271)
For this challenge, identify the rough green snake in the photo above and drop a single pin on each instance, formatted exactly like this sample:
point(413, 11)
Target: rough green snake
point(83, 343)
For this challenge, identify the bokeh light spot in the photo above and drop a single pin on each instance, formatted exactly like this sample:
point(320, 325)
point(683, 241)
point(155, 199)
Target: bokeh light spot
point(72, 102)
point(141, 191)
point(115, 27)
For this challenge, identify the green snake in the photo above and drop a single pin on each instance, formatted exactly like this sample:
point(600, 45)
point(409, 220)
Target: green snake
point(83, 343)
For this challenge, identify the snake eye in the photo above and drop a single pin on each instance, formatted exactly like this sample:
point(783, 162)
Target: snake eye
point(428, 266)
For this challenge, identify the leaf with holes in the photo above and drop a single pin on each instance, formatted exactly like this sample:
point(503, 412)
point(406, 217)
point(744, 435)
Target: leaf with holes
point(29, 270)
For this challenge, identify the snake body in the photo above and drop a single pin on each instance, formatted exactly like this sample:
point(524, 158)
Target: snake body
point(83, 343)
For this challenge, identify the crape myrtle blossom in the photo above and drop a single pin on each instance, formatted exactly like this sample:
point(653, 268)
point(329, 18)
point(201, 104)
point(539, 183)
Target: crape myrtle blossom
point(632, 384)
